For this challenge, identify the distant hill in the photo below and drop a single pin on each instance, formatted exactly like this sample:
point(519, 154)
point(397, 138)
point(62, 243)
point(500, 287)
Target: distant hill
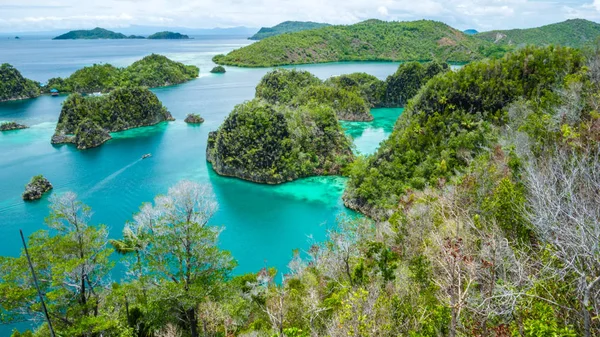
point(571, 33)
point(371, 40)
point(96, 33)
point(470, 32)
point(168, 36)
point(286, 27)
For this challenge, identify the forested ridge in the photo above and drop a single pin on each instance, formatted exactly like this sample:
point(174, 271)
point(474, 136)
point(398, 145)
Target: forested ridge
point(371, 40)
point(151, 71)
point(483, 221)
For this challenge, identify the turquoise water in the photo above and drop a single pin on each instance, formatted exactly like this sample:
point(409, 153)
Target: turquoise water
point(263, 223)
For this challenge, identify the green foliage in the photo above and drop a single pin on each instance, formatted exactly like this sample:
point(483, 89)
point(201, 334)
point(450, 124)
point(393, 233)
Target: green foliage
point(272, 144)
point(298, 87)
point(7, 126)
point(576, 33)
point(452, 118)
point(168, 36)
point(281, 86)
point(408, 79)
point(286, 27)
point(152, 71)
point(91, 119)
point(348, 105)
point(218, 70)
point(96, 33)
point(368, 86)
point(541, 321)
point(14, 86)
point(371, 40)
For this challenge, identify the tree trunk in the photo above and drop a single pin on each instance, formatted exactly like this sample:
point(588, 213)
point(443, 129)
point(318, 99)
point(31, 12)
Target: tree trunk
point(191, 314)
point(587, 321)
point(452, 332)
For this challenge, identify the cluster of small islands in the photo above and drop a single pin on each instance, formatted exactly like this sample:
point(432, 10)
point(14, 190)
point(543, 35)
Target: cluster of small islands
point(290, 129)
point(481, 208)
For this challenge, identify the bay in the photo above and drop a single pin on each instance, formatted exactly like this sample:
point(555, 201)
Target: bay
point(263, 223)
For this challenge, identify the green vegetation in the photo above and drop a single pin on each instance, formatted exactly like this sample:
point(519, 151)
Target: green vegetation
point(194, 119)
point(168, 36)
point(575, 33)
point(151, 71)
point(408, 79)
point(37, 186)
point(286, 27)
point(218, 70)
point(7, 126)
point(96, 33)
point(371, 40)
point(90, 119)
point(294, 88)
point(453, 118)
point(271, 144)
point(14, 86)
point(368, 86)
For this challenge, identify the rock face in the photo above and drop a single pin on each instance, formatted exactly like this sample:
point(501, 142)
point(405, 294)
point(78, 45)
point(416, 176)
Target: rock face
point(272, 144)
point(194, 119)
point(218, 70)
point(12, 126)
point(14, 86)
point(87, 121)
point(36, 188)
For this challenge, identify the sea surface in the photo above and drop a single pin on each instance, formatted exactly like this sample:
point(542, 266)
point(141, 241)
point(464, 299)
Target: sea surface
point(263, 223)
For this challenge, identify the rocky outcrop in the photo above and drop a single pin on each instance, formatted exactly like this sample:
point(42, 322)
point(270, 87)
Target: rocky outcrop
point(194, 119)
point(271, 144)
point(87, 121)
point(7, 126)
point(218, 70)
point(89, 135)
point(36, 188)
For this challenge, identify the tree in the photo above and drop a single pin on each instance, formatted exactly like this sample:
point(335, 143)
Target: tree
point(564, 194)
point(177, 250)
point(72, 267)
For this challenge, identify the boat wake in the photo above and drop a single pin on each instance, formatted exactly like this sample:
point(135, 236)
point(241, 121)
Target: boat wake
point(106, 180)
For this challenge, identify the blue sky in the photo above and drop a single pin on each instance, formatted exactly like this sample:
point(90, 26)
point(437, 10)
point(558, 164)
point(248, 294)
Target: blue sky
point(39, 15)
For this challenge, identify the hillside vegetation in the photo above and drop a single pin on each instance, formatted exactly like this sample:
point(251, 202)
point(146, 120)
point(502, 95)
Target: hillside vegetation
point(92, 34)
point(371, 40)
point(14, 86)
point(488, 195)
point(87, 121)
point(286, 27)
point(575, 33)
point(151, 71)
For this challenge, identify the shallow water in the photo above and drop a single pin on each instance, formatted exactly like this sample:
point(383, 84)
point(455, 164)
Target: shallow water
point(263, 223)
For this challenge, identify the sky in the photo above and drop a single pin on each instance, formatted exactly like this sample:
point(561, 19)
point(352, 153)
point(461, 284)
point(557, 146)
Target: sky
point(51, 15)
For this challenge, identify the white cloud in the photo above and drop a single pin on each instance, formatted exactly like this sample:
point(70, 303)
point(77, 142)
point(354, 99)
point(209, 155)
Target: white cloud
point(383, 10)
point(21, 15)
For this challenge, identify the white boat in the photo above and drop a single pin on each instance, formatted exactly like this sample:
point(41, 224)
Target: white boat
point(147, 155)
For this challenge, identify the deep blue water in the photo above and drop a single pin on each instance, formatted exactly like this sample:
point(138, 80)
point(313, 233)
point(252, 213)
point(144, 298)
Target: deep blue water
point(263, 223)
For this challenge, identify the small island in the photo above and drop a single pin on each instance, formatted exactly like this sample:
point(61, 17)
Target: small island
point(94, 34)
point(300, 87)
point(194, 119)
point(13, 86)
point(151, 71)
point(218, 70)
point(36, 187)
point(7, 126)
point(168, 36)
point(272, 144)
point(88, 121)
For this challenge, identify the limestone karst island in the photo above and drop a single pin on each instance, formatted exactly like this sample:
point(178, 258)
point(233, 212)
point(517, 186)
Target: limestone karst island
point(299, 169)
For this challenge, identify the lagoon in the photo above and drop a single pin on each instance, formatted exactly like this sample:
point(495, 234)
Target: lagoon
point(263, 223)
